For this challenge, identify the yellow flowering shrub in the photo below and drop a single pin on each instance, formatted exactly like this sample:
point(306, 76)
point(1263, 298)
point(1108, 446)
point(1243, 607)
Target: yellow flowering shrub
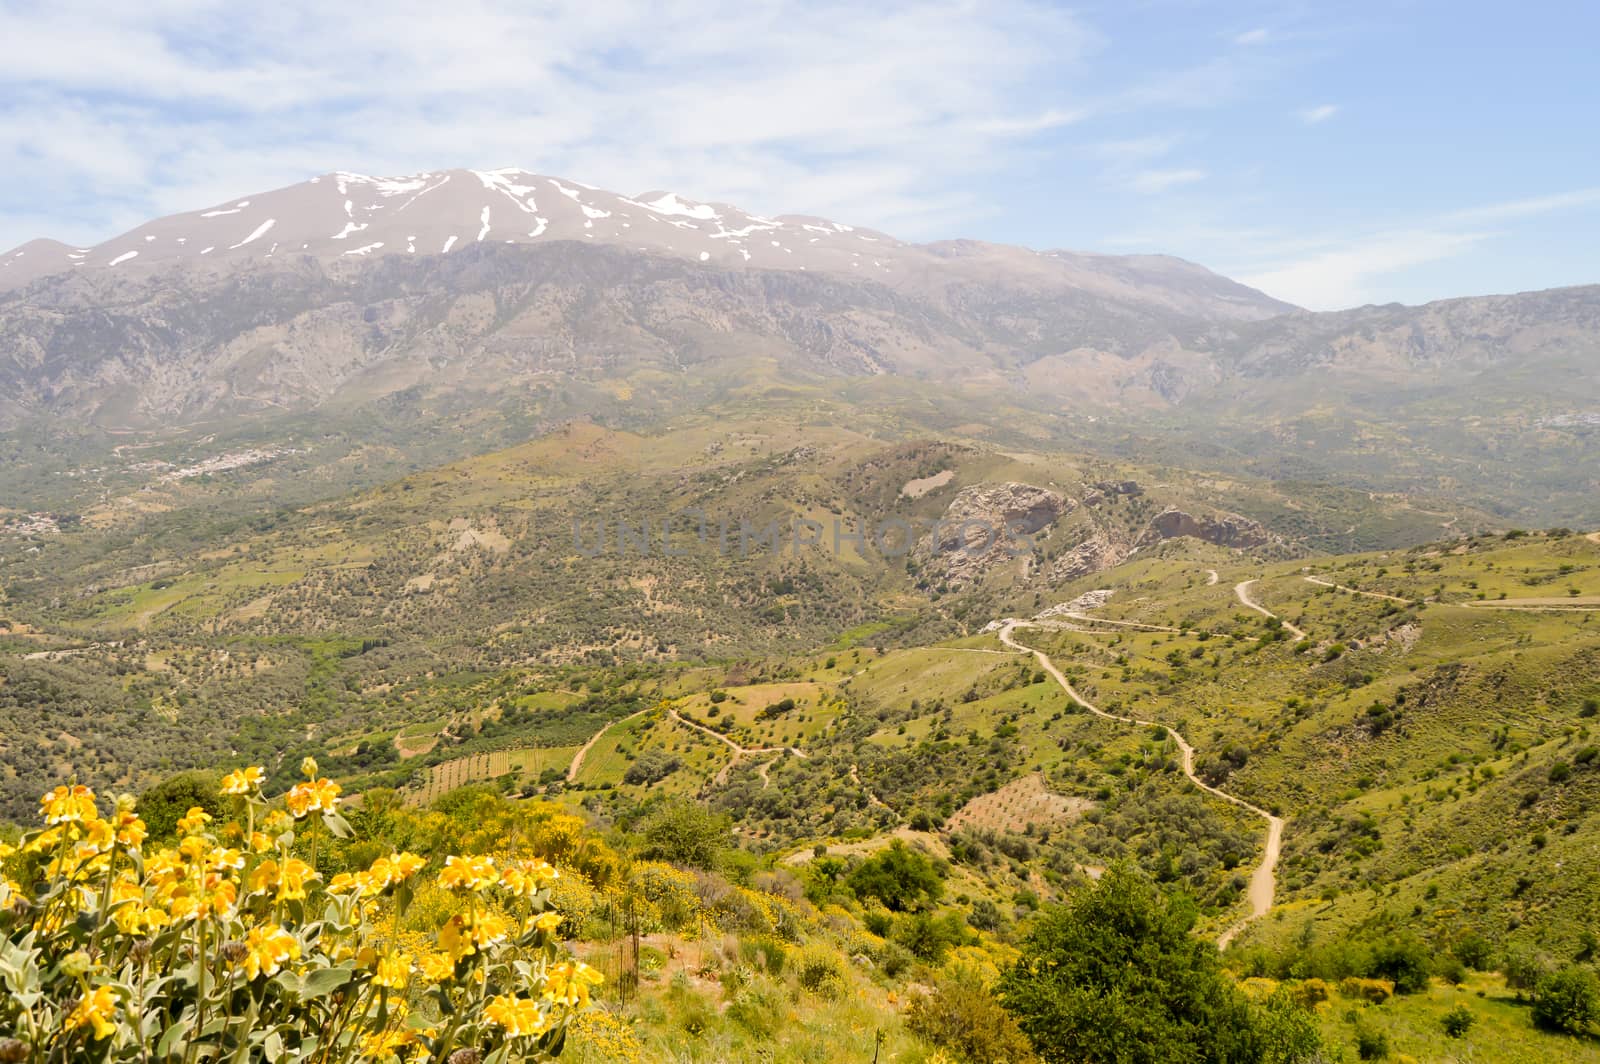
point(230, 945)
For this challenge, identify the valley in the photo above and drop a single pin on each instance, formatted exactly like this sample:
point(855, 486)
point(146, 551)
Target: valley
point(843, 616)
point(1298, 741)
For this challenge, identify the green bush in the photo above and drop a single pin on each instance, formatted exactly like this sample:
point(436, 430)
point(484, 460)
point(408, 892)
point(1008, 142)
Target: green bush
point(685, 833)
point(1475, 951)
point(1568, 1001)
point(1371, 1043)
point(821, 971)
point(1404, 961)
point(900, 877)
point(1524, 968)
point(1458, 1021)
point(961, 1016)
point(1120, 957)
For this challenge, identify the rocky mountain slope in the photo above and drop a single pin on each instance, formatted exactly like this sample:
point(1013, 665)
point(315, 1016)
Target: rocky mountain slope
point(290, 298)
point(476, 288)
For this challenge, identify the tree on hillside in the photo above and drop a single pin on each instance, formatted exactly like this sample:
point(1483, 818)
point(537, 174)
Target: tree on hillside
point(1116, 976)
point(685, 833)
point(163, 804)
point(1568, 1000)
point(900, 877)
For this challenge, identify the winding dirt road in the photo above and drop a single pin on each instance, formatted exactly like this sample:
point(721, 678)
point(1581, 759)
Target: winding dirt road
point(577, 759)
point(737, 749)
point(1262, 881)
point(1242, 592)
point(1357, 591)
point(1212, 577)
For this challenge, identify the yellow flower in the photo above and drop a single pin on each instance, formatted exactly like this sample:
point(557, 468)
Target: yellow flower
point(568, 983)
point(130, 829)
point(393, 970)
point(467, 873)
point(289, 878)
point(436, 967)
point(134, 919)
point(313, 797)
point(6, 850)
point(382, 1045)
point(225, 858)
point(268, 948)
point(407, 864)
point(45, 841)
point(194, 820)
point(194, 848)
point(464, 934)
point(546, 922)
point(243, 781)
point(99, 836)
point(520, 1017)
point(526, 877)
point(68, 804)
point(308, 768)
point(94, 1009)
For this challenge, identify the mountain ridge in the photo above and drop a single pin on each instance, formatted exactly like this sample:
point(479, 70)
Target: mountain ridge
point(344, 215)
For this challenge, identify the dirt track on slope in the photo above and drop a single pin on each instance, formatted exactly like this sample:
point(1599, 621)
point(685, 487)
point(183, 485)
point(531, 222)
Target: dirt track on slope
point(1357, 591)
point(577, 759)
point(1263, 880)
point(1242, 592)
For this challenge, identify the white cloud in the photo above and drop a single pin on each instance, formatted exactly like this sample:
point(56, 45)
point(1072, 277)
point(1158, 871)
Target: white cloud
point(1312, 116)
point(865, 112)
point(1525, 208)
point(1347, 274)
point(1249, 37)
point(1051, 119)
point(1333, 271)
point(1155, 181)
point(1134, 150)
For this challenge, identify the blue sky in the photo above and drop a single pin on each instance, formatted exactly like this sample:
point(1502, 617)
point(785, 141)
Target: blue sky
point(1330, 154)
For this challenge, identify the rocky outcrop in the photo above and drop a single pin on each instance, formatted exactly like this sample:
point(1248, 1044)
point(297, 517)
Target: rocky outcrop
point(1225, 530)
point(1099, 551)
point(1109, 489)
point(985, 526)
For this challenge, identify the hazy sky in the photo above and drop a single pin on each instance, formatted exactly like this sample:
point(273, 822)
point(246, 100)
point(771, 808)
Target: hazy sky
point(1332, 154)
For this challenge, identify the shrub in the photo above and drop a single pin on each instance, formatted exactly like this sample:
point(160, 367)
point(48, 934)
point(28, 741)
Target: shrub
point(927, 936)
point(1406, 961)
point(1450, 969)
point(758, 1008)
point(899, 877)
point(768, 953)
point(1371, 1043)
point(652, 767)
point(1310, 992)
point(1473, 950)
point(821, 971)
point(961, 1016)
point(268, 955)
point(1568, 1001)
point(1458, 1021)
point(1120, 957)
point(1524, 969)
point(1376, 991)
point(164, 804)
point(893, 959)
point(686, 833)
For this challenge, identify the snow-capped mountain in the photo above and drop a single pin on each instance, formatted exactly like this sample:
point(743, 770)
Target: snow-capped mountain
point(345, 217)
